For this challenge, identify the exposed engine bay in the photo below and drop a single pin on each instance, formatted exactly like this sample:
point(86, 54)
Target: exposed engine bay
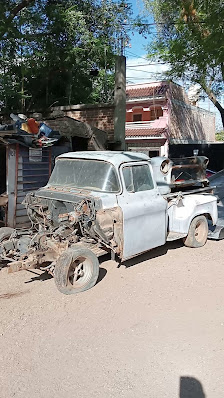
point(58, 224)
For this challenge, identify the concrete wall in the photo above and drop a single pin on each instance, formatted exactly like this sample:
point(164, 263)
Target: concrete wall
point(151, 148)
point(188, 123)
point(177, 92)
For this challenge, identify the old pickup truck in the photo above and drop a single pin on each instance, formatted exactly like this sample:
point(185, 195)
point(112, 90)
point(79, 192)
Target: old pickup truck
point(96, 202)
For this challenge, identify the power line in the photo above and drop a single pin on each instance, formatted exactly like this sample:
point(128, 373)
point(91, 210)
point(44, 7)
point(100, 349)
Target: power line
point(164, 23)
point(137, 56)
point(143, 78)
point(146, 59)
point(140, 70)
point(153, 63)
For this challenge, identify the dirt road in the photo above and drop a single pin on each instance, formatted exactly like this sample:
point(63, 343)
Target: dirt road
point(152, 329)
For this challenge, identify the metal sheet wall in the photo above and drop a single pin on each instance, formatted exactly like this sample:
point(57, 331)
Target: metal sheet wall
point(29, 169)
point(34, 167)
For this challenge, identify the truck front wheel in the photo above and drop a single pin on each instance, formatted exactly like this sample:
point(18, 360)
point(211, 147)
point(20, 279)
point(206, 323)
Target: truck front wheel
point(76, 270)
point(198, 232)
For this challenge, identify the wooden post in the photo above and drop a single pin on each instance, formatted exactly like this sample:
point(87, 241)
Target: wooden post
point(120, 103)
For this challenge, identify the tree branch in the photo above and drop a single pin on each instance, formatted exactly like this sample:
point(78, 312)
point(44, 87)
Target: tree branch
point(19, 7)
point(213, 98)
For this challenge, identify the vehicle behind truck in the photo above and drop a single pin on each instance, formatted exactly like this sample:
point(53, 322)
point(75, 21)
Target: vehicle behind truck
point(123, 203)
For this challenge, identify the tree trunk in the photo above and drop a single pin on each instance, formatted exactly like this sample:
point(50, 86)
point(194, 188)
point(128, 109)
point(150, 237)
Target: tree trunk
point(214, 100)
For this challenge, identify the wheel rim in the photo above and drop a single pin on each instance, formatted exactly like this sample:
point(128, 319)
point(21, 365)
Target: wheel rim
point(79, 272)
point(200, 232)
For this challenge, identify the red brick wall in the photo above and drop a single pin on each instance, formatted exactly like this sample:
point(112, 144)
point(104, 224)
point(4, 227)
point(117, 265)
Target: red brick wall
point(97, 115)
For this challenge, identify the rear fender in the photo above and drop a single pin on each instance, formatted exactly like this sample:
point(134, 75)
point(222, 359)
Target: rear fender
point(183, 211)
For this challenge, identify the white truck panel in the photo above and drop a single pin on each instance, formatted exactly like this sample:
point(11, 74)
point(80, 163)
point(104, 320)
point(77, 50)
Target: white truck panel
point(181, 211)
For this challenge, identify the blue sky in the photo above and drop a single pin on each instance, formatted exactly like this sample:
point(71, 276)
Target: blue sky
point(137, 41)
point(139, 68)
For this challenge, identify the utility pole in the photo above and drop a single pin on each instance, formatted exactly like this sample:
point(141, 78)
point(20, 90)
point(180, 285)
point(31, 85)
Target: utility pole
point(120, 102)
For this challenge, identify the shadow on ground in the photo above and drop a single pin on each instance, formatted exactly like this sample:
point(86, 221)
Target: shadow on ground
point(102, 274)
point(40, 277)
point(157, 252)
point(45, 276)
point(191, 388)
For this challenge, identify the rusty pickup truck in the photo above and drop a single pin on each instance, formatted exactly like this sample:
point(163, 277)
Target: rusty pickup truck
point(97, 202)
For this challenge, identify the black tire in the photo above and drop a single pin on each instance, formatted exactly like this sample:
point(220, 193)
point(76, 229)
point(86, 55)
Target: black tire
point(77, 263)
point(198, 232)
point(5, 232)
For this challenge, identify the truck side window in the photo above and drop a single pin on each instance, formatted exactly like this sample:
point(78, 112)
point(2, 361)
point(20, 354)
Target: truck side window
point(138, 178)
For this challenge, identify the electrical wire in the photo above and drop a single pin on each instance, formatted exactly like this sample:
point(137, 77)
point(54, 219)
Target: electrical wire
point(140, 70)
point(143, 78)
point(135, 55)
point(164, 23)
point(153, 63)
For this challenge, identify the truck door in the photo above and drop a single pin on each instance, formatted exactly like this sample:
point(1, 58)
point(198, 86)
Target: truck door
point(144, 210)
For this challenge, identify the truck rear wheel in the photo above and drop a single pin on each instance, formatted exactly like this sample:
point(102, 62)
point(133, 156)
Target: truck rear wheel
point(76, 270)
point(198, 232)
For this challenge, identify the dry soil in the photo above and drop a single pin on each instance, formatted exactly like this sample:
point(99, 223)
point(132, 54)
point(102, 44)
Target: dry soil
point(152, 328)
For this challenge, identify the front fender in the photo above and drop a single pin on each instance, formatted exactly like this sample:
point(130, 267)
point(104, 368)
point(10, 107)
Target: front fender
point(181, 211)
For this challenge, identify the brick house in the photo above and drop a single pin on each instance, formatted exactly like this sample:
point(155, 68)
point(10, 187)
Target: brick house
point(160, 113)
point(157, 114)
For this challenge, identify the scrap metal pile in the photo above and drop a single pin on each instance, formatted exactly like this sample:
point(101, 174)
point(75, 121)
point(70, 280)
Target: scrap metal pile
point(189, 171)
point(29, 131)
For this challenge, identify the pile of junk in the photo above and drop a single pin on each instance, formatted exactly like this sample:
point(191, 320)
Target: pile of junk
point(28, 147)
point(30, 131)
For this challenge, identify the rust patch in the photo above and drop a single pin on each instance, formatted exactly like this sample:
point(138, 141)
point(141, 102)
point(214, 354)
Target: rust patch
point(111, 223)
point(12, 295)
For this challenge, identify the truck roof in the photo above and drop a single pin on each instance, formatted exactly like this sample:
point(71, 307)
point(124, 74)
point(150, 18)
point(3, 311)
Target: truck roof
point(114, 157)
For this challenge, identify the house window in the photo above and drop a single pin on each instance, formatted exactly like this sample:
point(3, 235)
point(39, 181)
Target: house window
point(137, 117)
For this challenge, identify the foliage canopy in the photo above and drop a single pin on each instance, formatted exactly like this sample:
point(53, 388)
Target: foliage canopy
point(49, 47)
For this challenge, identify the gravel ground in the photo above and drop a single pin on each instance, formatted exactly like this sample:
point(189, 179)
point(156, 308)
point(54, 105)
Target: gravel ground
point(152, 328)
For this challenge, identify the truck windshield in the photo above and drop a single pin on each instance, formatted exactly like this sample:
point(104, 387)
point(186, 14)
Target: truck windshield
point(95, 175)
